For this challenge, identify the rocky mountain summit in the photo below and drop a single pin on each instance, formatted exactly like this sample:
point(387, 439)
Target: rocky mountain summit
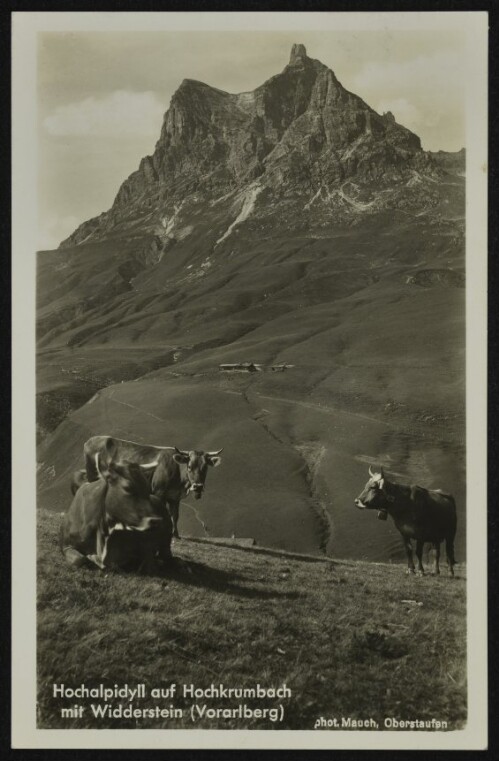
point(301, 136)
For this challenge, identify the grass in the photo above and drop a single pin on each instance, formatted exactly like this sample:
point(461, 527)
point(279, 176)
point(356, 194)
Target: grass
point(338, 634)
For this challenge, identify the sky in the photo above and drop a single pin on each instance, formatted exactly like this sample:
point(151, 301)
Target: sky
point(102, 96)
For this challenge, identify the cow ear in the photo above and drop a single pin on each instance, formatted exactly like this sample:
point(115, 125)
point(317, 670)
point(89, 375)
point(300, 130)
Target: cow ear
point(180, 458)
point(215, 461)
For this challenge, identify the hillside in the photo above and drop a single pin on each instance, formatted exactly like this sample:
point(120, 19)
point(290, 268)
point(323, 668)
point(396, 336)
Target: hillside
point(349, 639)
point(289, 226)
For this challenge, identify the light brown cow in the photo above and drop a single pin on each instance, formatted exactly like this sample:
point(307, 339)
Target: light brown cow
point(175, 473)
point(115, 521)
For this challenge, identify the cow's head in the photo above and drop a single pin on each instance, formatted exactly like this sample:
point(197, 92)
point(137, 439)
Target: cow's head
point(375, 495)
point(127, 499)
point(196, 467)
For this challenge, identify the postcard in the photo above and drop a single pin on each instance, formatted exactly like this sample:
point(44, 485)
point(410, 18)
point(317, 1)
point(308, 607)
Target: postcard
point(249, 364)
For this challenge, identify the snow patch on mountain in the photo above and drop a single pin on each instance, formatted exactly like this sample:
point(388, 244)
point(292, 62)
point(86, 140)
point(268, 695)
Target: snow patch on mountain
point(248, 205)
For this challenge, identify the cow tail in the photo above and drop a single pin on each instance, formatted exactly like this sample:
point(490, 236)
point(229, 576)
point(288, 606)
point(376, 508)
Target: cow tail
point(449, 540)
point(449, 549)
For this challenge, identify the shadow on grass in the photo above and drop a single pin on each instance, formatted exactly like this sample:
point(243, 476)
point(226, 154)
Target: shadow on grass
point(196, 574)
point(201, 575)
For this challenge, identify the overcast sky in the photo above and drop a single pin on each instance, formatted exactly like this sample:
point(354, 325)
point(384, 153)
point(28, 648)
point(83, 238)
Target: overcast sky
point(102, 96)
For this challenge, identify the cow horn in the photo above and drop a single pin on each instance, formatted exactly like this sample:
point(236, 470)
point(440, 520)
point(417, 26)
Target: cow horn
point(214, 454)
point(149, 465)
point(180, 451)
point(381, 471)
point(370, 472)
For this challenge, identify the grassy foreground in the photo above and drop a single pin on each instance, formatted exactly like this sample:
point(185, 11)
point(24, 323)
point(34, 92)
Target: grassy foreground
point(349, 639)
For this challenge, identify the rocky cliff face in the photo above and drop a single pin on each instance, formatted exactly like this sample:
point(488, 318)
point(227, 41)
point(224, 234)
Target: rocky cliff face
point(301, 135)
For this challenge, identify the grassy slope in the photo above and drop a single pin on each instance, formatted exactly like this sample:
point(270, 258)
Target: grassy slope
point(337, 633)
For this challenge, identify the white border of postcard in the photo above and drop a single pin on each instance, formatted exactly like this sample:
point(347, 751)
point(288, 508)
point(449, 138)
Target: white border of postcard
point(26, 25)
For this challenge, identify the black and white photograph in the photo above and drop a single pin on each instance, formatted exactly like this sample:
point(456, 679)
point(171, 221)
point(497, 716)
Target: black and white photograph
point(250, 346)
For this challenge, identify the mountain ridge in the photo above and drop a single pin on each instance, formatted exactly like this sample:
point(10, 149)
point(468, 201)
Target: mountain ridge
point(300, 128)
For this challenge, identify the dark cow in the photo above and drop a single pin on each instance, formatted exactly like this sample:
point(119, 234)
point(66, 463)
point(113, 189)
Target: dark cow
point(175, 473)
point(419, 514)
point(115, 521)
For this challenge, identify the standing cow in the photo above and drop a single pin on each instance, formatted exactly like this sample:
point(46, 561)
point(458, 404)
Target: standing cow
point(175, 473)
point(419, 514)
point(115, 521)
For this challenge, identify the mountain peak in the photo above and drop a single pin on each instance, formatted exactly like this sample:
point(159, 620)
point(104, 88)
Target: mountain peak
point(298, 54)
point(299, 129)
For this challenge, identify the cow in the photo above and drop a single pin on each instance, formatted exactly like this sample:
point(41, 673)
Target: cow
point(174, 473)
point(115, 521)
point(419, 514)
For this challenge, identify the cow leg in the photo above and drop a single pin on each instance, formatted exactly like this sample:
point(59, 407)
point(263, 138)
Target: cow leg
point(164, 539)
point(410, 561)
point(173, 508)
point(74, 558)
point(97, 561)
point(156, 547)
point(101, 549)
point(163, 531)
point(437, 558)
point(419, 555)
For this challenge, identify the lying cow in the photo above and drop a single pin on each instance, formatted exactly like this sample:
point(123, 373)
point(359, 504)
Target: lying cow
point(175, 473)
point(115, 521)
point(419, 514)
